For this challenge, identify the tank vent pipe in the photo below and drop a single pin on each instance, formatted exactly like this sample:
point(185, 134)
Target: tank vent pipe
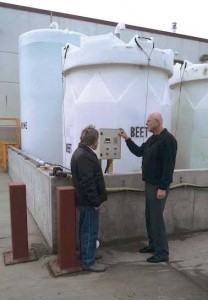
point(54, 25)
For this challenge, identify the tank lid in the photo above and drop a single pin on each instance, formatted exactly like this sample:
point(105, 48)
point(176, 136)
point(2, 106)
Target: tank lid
point(49, 35)
point(108, 49)
point(188, 72)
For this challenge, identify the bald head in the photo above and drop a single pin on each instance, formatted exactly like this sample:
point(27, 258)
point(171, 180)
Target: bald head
point(157, 116)
point(155, 123)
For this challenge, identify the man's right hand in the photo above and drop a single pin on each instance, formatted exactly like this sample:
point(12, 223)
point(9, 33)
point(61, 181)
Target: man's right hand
point(123, 134)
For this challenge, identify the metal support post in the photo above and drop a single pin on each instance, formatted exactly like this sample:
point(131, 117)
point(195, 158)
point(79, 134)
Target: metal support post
point(19, 231)
point(67, 261)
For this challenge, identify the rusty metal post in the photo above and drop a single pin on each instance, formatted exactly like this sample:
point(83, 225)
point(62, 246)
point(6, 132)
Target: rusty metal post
point(66, 210)
point(19, 231)
point(18, 212)
point(67, 261)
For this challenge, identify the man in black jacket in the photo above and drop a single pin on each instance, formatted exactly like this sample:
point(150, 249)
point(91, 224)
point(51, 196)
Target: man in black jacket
point(158, 162)
point(91, 193)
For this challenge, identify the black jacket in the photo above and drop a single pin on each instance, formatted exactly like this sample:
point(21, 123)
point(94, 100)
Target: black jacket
point(159, 155)
point(87, 177)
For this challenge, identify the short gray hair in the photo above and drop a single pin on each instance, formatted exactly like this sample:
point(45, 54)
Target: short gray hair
point(89, 135)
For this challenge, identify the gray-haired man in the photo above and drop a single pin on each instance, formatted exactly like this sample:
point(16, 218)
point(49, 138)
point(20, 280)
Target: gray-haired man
point(91, 193)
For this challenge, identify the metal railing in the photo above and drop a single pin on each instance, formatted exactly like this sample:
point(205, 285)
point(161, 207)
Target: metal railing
point(9, 135)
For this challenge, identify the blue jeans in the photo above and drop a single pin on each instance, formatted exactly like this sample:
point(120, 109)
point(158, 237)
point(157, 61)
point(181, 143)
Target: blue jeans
point(88, 233)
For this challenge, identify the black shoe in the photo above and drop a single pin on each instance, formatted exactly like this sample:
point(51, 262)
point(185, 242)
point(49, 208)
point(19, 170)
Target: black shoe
point(158, 258)
point(147, 249)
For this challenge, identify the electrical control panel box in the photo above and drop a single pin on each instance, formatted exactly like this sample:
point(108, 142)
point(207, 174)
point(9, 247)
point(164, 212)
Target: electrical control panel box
point(109, 144)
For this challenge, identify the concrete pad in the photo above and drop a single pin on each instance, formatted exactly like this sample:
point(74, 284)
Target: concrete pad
point(190, 257)
point(121, 281)
point(128, 276)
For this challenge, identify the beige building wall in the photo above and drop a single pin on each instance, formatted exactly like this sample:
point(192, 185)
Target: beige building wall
point(16, 20)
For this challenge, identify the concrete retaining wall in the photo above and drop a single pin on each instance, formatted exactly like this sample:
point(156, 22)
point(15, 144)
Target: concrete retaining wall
point(40, 193)
point(122, 216)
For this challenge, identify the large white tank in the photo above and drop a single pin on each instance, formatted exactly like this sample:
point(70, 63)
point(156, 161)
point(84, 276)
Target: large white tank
point(41, 91)
point(112, 84)
point(189, 99)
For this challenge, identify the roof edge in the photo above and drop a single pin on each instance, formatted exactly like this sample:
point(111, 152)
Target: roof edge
point(99, 21)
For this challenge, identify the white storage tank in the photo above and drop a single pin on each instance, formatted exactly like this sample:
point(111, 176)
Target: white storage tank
point(189, 99)
point(112, 84)
point(41, 91)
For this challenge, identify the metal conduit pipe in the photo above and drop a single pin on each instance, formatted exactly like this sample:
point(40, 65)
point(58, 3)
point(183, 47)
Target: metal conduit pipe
point(57, 170)
point(38, 162)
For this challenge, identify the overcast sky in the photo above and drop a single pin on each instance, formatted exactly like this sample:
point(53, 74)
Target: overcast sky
point(191, 16)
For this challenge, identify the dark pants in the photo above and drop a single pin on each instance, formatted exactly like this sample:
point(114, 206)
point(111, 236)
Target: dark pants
point(154, 220)
point(88, 233)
